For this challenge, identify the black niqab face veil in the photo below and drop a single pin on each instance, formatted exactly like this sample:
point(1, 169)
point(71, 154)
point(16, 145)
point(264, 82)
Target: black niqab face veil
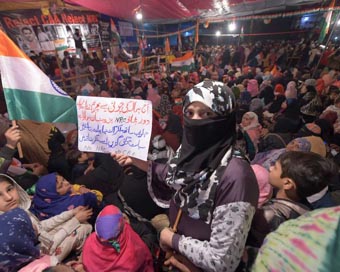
point(206, 146)
point(206, 141)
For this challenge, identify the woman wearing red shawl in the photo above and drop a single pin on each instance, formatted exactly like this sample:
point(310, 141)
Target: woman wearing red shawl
point(114, 246)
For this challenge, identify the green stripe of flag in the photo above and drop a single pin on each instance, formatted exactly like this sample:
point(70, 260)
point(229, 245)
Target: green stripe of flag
point(40, 106)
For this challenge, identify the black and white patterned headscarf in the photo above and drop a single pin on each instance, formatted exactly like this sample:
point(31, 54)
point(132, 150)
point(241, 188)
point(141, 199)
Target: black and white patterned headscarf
point(213, 94)
point(206, 146)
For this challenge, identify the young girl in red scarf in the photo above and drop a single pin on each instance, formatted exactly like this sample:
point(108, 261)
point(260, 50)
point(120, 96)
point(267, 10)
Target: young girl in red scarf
point(114, 246)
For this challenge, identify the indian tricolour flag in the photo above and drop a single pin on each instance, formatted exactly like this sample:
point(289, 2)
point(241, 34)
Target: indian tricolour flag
point(184, 63)
point(327, 22)
point(29, 93)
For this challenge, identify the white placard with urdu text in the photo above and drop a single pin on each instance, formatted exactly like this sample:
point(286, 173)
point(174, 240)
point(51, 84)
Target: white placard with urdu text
point(114, 125)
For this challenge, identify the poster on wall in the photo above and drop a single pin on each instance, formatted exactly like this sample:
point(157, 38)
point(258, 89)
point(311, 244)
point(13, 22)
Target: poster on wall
point(35, 32)
point(27, 39)
point(104, 31)
point(92, 37)
point(52, 34)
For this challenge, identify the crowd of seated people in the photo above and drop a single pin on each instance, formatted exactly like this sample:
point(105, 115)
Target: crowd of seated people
point(244, 152)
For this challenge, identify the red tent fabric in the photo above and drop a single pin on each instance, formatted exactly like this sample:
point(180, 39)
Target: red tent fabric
point(163, 10)
point(167, 11)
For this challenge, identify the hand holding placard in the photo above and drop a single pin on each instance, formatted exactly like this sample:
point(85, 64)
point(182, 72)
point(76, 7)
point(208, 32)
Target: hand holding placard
point(114, 125)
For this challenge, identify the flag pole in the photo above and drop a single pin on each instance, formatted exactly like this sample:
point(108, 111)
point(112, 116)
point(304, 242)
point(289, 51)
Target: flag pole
point(21, 154)
point(327, 43)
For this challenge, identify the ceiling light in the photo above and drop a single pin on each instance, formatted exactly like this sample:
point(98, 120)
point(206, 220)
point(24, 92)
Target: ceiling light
point(232, 26)
point(139, 16)
point(218, 33)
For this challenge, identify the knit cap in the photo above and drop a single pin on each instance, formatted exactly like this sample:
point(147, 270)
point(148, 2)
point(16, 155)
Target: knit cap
point(310, 82)
point(279, 89)
point(291, 91)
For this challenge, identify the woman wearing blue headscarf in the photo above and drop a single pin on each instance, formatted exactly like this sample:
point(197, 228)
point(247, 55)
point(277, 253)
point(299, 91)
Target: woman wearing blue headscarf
point(58, 235)
point(53, 195)
point(18, 242)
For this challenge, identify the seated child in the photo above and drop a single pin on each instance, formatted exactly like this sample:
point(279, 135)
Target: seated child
point(296, 175)
point(114, 246)
point(17, 240)
point(54, 195)
point(56, 236)
point(78, 161)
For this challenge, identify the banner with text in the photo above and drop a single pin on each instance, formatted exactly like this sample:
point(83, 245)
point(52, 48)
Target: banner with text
point(35, 31)
point(50, 33)
point(114, 125)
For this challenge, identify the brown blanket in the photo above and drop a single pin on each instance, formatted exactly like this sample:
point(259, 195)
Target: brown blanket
point(34, 141)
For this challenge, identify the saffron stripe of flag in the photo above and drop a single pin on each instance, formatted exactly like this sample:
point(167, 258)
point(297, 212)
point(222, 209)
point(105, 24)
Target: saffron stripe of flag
point(184, 63)
point(29, 93)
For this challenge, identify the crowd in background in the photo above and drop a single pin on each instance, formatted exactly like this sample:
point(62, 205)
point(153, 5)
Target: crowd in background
point(285, 139)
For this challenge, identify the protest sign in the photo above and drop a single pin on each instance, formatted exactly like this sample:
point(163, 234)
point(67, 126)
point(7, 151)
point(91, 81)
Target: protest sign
point(114, 125)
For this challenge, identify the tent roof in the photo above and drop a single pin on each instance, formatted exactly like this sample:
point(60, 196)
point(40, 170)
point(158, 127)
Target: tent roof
point(171, 10)
point(13, 5)
point(167, 11)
